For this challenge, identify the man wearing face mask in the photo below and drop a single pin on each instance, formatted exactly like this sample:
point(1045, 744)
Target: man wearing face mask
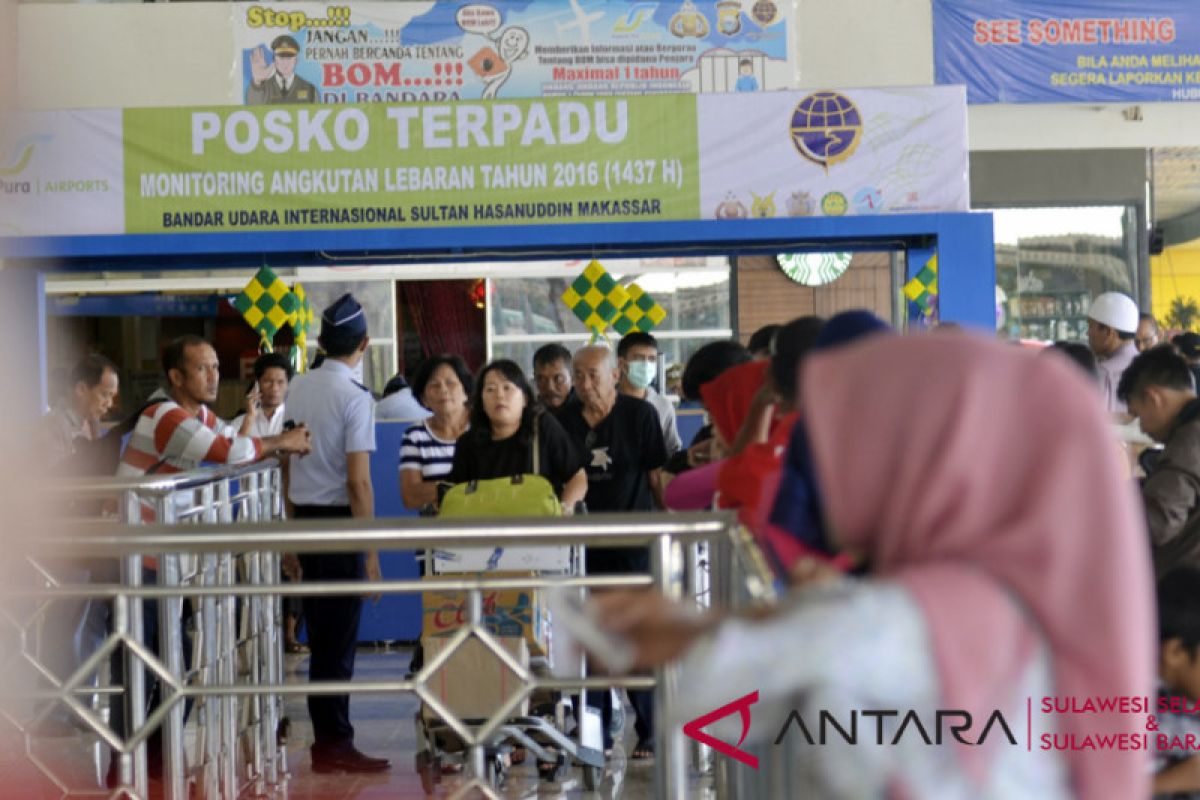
point(637, 355)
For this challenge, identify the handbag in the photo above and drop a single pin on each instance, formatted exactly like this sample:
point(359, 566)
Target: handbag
point(528, 495)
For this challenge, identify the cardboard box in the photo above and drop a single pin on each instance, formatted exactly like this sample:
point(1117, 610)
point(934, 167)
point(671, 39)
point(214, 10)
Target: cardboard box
point(508, 612)
point(475, 682)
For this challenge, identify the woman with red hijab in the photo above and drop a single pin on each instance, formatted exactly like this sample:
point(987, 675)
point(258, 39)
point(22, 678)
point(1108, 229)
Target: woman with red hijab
point(749, 478)
point(752, 409)
point(741, 402)
point(1001, 570)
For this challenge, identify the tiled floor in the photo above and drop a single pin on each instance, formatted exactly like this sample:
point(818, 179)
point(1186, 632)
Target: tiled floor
point(384, 727)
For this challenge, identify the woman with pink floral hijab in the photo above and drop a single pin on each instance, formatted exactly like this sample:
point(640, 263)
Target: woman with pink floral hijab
point(1005, 560)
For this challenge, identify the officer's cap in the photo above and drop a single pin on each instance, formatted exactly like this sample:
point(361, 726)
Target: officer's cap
point(285, 46)
point(345, 317)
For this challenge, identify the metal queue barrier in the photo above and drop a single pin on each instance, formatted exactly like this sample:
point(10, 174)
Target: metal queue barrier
point(237, 748)
point(218, 536)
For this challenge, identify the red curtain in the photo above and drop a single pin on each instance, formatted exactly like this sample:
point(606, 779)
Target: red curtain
point(446, 319)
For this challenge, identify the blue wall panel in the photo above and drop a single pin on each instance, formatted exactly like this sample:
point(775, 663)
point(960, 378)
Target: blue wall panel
point(688, 421)
point(396, 616)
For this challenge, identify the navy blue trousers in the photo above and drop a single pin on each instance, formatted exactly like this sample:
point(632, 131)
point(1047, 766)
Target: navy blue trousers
point(623, 561)
point(332, 623)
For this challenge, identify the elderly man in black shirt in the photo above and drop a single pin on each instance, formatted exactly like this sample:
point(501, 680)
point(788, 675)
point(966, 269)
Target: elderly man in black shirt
point(625, 452)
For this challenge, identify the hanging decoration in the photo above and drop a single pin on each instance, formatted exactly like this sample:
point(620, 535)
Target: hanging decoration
point(922, 292)
point(302, 322)
point(596, 298)
point(267, 305)
point(641, 313)
point(478, 292)
point(599, 301)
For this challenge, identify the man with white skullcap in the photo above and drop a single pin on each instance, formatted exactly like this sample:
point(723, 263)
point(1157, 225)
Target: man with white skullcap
point(335, 481)
point(1112, 326)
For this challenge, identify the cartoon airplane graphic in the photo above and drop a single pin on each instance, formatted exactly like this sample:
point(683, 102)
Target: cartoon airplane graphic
point(583, 21)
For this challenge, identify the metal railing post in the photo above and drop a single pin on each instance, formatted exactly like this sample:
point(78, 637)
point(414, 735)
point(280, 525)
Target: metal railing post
point(252, 623)
point(170, 647)
point(476, 752)
point(670, 763)
point(208, 730)
point(274, 751)
point(722, 594)
point(226, 650)
point(133, 770)
point(698, 572)
point(255, 664)
point(272, 623)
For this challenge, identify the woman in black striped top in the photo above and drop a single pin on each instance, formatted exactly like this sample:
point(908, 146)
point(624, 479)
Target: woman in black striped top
point(442, 385)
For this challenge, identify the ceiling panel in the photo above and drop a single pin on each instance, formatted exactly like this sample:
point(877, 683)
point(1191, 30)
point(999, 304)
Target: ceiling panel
point(1176, 181)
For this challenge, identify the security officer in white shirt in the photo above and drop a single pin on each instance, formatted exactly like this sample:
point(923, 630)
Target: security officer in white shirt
point(335, 481)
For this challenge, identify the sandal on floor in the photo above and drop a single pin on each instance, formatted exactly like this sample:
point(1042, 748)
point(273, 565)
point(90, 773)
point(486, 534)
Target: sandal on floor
point(548, 769)
point(641, 752)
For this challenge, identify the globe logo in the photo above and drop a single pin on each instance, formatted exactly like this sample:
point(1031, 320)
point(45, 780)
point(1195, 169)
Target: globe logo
point(826, 128)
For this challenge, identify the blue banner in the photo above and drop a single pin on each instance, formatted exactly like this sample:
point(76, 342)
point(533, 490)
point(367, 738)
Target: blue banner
point(1089, 51)
point(134, 305)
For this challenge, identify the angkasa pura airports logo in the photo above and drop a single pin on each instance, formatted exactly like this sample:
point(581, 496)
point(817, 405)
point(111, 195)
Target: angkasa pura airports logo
point(17, 161)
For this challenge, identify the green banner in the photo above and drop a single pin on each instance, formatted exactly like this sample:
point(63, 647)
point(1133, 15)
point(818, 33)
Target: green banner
point(420, 165)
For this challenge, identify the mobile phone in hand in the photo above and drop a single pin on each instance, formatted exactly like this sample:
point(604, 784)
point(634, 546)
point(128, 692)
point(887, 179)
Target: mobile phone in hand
point(253, 391)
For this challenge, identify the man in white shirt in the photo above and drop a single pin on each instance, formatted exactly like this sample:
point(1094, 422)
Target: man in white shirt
point(265, 416)
point(265, 412)
point(398, 402)
point(637, 358)
point(1112, 326)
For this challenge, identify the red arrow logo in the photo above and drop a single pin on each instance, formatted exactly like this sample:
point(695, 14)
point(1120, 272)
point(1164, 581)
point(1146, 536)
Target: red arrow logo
point(742, 706)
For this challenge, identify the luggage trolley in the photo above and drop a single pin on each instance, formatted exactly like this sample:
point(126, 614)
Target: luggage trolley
point(546, 724)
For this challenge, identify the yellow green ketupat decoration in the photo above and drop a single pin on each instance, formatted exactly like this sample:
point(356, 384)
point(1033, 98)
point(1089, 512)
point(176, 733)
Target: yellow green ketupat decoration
point(267, 304)
point(596, 298)
point(302, 322)
point(641, 313)
point(922, 290)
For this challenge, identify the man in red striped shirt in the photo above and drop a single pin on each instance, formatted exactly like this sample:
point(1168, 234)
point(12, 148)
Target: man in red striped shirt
point(180, 431)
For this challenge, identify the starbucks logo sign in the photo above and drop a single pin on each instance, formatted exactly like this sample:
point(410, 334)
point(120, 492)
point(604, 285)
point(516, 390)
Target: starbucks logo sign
point(814, 269)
